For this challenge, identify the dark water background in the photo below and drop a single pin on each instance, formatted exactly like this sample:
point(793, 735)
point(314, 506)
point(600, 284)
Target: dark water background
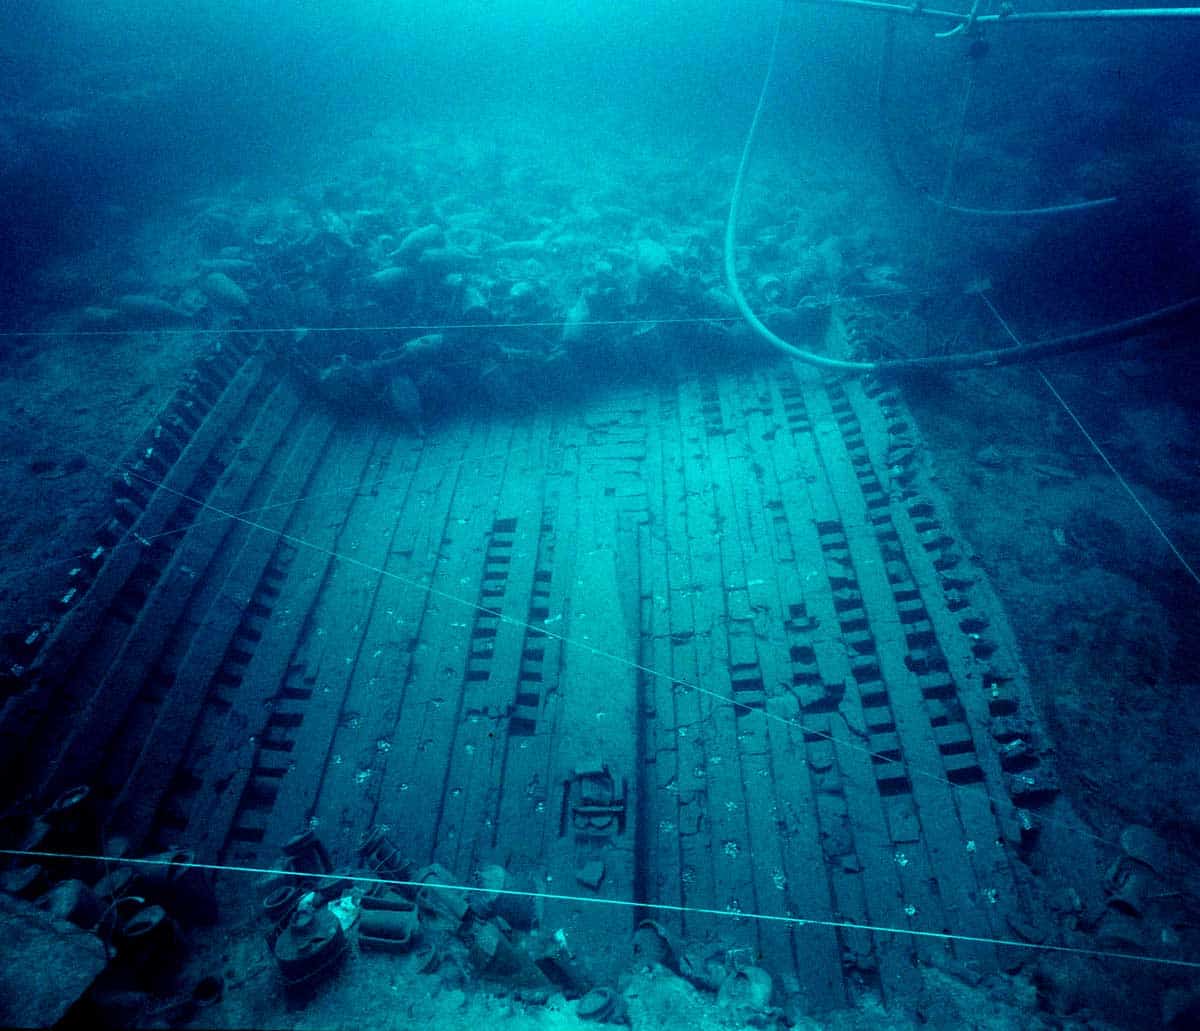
point(115, 113)
point(138, 104)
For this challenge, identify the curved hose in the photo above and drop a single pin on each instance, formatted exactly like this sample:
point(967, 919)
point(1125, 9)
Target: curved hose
point(962, 360)
point(735, 203)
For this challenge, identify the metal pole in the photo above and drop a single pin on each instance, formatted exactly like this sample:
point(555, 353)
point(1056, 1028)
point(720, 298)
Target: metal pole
point(919, 11)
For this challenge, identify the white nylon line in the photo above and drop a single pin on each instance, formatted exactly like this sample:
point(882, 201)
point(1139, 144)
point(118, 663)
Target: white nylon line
point(1096, 447)
point(660, 907)
point(424, 327)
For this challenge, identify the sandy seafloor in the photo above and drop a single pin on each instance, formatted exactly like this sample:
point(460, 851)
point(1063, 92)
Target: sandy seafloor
point(1104, 613)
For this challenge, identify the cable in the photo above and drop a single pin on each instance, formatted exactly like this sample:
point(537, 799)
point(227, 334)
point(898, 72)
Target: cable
point(965, 360)
point(658, 907)
point(735, 202)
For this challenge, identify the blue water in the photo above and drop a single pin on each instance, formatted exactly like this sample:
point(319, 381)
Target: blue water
point(236, 164)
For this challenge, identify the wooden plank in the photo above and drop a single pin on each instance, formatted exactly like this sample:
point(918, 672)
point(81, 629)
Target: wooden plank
point(243, 738)
point(745, 563)
point(526, 815)
point(413, 526)
point(659, 774)
point(718, 600)
point(986, 811)
point(327, 650)
point(867, 883)
point(160, 756)
point(597, 731)
point(681, 708)
point(488, 690)
point(942, 850)
point(109, 703)
point(417, 779)
point(786, 821)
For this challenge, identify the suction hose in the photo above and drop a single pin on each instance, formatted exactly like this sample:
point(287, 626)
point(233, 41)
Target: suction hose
point(963, 360)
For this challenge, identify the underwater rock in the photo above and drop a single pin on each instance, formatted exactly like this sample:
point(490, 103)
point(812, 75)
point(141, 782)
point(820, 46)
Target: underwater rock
point(229, 266)
point(148, 310)
point(523, 297)
point(215, 228)
point(830, 251)
point(280, 222)
point(510, 898)
point(1142, 844)
point(439, 261)
point(716, 301)
point(380, 248)
point(475, 306)
point(574, 325)
point(811, 318)
point(335, 226)
point(192, 301)
point(414, 245)
point(807, 275)
point(96, 317)
point(45, 965)
point(224, 292)
point(519, 248)
point(423, 347)
point(770, 288)
point(278, 303)
point(653, 259)
point(990, 457)
point(313, 307)
point(405, 401)
point(392, 281)
point(747, 992)
point(652, 947)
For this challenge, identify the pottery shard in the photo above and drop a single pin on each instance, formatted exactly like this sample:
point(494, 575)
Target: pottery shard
point(417, 242)
point(989, 456)
point(148, 310)
point(591, 875)
point(224, 292)
point(230, 266)
point(653, 259)
point(1142, 844)
point(392, 280)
